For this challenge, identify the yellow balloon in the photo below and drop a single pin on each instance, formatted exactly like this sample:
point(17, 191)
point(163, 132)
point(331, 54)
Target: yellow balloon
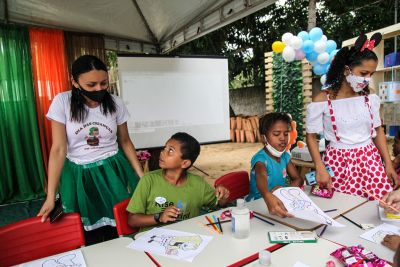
point(278, 46)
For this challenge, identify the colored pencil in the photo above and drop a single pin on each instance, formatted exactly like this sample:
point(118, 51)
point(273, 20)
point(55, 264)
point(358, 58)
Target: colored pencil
point(323, 230)
point(220, 222)
point(152, 259)
point(262, 219)
point(353, 222)
point(215, 220)
point(210, 229)
point(220, 226)
point(213, 225)
point(380, 200)
point(330, 210)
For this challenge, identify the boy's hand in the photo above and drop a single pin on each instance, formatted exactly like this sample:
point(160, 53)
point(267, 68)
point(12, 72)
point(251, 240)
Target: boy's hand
point(169, 214)
point(276, 207)
point(222, 193)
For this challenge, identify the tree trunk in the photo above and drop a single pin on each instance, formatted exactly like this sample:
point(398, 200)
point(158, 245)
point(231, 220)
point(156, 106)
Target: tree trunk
point(312, 14)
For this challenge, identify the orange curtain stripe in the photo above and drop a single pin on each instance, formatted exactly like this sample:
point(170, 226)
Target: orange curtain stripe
point(50, 75)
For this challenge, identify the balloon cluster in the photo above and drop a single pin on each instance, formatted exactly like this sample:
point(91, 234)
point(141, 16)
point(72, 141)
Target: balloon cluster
point(312, 45)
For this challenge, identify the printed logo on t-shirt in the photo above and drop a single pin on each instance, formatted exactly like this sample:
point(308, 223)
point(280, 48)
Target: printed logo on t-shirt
point(92, 138)
point(160, 200)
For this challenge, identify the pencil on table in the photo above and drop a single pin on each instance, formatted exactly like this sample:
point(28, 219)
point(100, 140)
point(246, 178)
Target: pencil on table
point(353, 222)
point(213, 225)
point(220, 222)
point(216, 221)
point(220, 226)
point(323, 230)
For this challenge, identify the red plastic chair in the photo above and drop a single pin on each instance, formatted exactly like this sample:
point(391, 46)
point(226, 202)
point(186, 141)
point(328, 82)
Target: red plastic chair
point(236, 182)
point(31, 239)
point(121, 218)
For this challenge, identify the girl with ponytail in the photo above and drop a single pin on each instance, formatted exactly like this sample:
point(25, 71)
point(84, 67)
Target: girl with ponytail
point(348, 116)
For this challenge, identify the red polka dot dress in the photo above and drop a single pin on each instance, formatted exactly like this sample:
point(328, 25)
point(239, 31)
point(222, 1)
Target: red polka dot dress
point(349, 124)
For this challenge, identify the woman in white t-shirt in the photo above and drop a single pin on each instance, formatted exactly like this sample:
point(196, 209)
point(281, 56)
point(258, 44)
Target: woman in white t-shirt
point(349, 118)
point(88, 126)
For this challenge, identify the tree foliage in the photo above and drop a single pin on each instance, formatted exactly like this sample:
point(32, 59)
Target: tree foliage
point(245, 41)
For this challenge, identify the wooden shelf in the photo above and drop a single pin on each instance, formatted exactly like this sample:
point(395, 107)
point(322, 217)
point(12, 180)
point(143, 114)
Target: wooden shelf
point(388, 68)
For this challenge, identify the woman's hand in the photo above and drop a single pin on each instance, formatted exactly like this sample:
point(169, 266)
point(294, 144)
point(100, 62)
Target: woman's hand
point(276, 207)
point(323, 178)
point(47, 207)
point(392, 175)
point(170, 214)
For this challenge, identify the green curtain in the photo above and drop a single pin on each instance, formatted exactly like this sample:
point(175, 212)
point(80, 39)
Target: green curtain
point(21, 168)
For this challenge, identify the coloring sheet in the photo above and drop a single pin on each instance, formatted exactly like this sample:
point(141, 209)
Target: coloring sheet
point(172, 244)
point(377, 234)
point(301, 206)
point(73, 258)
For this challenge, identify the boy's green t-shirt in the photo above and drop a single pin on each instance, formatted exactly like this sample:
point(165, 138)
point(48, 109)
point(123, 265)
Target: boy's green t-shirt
point(154, 194)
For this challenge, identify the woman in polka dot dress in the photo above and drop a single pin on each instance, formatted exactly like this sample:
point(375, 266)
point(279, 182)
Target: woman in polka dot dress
point(348, 115)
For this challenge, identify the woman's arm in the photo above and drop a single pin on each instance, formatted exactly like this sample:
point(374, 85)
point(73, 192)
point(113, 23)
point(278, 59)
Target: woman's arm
point(57, 155)
point(297, 180)
point(380, 143)
point(129, 149)
point(321, 174)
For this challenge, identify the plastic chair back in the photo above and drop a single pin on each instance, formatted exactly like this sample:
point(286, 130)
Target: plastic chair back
point(121, 218)
point(31, 239)
point(236, 182)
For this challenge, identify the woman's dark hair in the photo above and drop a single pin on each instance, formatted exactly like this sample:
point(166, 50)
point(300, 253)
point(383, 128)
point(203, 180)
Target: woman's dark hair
point(268, 120)
point(82, 65)
point(350, 57)
point(190, 147)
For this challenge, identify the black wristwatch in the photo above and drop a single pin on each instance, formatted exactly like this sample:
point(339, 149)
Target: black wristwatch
point(157, 217)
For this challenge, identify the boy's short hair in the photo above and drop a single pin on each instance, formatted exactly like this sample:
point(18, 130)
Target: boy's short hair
point(190, 147)
point(270, 119)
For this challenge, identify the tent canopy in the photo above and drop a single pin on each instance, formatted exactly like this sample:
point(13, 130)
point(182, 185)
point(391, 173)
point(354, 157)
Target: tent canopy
point(152, 26)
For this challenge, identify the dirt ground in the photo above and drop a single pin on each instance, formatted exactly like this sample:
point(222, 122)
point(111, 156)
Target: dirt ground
point(219, 159)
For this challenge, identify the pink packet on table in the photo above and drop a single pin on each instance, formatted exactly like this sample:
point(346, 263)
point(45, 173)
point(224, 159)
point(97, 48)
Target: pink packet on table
point(321, 192)
point(358, 256)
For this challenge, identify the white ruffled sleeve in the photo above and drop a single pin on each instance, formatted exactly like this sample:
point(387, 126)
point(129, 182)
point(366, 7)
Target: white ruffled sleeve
point(314, 119)
point(375, 105)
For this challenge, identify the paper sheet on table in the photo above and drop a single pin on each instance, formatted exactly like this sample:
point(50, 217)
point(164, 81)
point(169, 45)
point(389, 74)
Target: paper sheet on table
point(300, 264)
point(172, 244)
point(301, 206)
point(70, 258)
point(377, 234)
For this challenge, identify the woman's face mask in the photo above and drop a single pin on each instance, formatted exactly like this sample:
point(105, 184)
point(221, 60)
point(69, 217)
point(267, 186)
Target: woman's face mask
point(357, 83)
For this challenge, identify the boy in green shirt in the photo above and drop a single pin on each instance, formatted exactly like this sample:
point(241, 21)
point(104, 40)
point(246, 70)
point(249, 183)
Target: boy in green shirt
point(172, 194)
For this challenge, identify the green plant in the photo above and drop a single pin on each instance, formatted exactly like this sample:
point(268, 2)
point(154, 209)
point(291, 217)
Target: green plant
point(287, 84)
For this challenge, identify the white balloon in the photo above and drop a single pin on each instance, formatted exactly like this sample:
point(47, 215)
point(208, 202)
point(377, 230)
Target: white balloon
point(288, 54)
point(297, 42)
point(324, 38)
point(319, 46)
point(323, 79)
point(323, 58)
point(287, 38)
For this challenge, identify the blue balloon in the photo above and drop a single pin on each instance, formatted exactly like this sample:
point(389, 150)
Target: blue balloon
point(330, 46)
point(315, 34)
point(312, 56)
point(308, 46)
point(332, 54)
point(319, 69)
point(303, 35)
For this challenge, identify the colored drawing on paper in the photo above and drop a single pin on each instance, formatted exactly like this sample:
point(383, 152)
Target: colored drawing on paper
point(377, 234)
point(72, 258)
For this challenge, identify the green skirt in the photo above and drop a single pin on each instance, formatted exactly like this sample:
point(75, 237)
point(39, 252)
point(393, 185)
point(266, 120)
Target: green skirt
point(93, 189)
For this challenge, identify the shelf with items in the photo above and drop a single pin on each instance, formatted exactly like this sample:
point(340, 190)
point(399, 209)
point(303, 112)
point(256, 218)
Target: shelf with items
point(388, 68)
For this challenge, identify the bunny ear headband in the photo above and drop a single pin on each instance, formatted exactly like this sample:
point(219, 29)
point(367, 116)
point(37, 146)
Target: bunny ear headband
point(363, 43)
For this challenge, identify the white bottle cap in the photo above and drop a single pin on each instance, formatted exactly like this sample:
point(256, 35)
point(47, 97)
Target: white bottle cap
point(240, 202)
point(264, 258)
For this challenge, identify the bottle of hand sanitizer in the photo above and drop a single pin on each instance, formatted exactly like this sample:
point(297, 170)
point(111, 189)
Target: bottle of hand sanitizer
point(240, 220)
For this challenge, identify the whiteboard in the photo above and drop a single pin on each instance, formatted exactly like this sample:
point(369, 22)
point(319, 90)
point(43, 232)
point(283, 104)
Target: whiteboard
point(165, 95)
